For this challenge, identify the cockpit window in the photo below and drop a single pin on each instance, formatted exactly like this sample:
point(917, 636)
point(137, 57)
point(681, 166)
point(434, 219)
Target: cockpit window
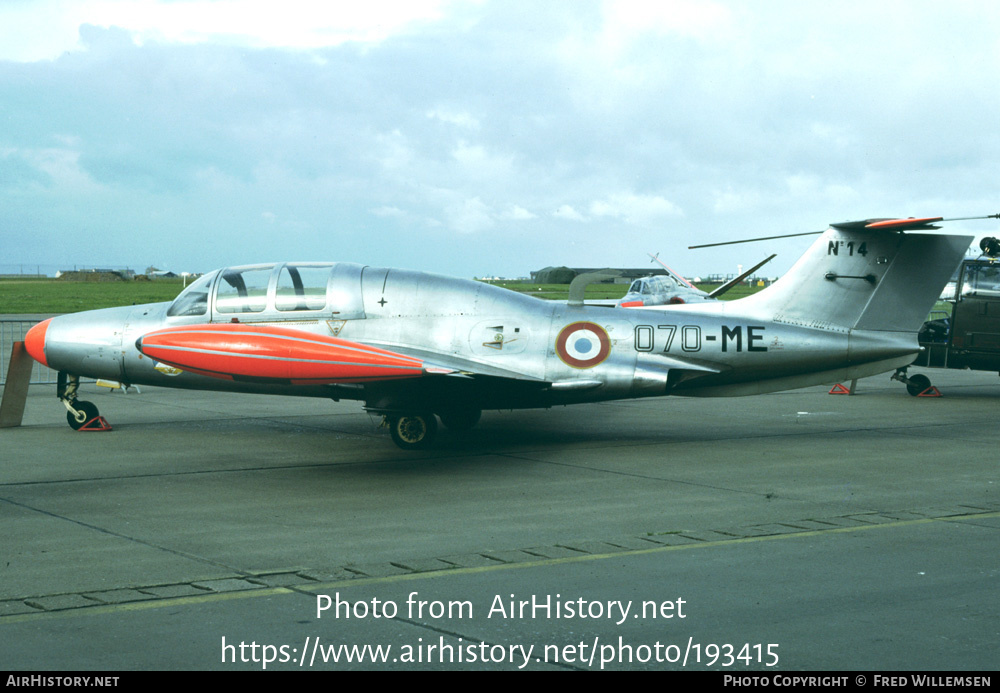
point(302, 287)
point(194, 299)
point(242, 290)
point(981, 280)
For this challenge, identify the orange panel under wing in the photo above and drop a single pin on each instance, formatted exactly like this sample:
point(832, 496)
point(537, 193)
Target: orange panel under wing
point(263, 352)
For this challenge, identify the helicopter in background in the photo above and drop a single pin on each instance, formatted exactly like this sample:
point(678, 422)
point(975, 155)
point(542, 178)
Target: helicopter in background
point(970, 337)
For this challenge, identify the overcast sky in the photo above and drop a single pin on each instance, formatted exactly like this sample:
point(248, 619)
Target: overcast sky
point(484, 137)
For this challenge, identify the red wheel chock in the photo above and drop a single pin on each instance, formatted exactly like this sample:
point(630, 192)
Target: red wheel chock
point(930, 392)
point(98, 423)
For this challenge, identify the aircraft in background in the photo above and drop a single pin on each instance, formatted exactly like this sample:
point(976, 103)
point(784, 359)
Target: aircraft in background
point(673, 289)
point(415, 347)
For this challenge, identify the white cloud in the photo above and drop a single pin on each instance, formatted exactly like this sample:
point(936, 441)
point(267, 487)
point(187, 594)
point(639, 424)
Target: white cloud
point(60, 167)
point(819, 189)
point(32, 30)
point(461, 119)
point(481, 163)
point(469, 216)
point(567, 212)
point(641, 210)
point(517, 213)
point(642, 46)
point(703, 19)
point(454, 119)
point(395, 152)
point(734, 200)
point(389, 211)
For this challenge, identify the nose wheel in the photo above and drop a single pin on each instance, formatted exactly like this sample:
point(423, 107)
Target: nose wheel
point(80, 415)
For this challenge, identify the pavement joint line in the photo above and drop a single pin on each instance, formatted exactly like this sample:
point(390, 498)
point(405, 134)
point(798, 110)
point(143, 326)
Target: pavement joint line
point(308, 589)
point(634, 475)
point(125, 537)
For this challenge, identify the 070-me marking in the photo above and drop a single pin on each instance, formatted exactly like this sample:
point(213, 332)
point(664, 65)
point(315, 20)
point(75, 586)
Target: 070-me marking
point(661, 338)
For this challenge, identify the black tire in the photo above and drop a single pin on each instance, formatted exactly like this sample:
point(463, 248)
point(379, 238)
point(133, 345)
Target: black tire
point(89, 410)
point(412, 431)
point(916, 384)
point(460, 419)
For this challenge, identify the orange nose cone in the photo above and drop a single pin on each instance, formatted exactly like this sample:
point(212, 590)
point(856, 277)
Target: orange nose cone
point(34, 341)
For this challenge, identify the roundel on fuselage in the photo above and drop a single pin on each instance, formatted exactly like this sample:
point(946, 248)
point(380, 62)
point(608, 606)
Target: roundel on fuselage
point(583, 345)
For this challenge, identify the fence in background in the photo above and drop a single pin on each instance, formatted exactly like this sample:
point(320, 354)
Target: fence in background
point(12, 330)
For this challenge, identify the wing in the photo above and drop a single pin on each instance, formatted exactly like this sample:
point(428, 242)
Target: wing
point(267, 353)
point(393, 377)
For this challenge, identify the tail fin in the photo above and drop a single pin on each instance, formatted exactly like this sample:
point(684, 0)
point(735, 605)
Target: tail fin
point(866, 275)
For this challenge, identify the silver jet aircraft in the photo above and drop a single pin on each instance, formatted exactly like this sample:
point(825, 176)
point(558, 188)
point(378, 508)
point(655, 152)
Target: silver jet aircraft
point(673, 289)
point(660, 290)
point(414, 346)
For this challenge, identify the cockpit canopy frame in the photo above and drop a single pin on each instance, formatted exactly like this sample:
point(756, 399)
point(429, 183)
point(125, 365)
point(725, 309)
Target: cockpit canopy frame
point(275, 291)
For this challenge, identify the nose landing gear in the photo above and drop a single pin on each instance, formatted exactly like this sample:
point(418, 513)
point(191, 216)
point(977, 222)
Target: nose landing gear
point(80, 415)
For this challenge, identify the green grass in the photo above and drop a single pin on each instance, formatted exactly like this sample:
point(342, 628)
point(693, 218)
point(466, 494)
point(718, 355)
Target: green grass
point(561, 291)
point(44, 295)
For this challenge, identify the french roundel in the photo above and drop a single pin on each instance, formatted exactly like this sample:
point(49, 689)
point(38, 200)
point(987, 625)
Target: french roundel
point(583, 345)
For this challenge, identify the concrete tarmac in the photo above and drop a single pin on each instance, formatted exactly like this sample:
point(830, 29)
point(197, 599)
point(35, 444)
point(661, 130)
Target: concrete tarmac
point(785, 532)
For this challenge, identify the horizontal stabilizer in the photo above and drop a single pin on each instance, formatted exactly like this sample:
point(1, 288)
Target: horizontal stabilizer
point(909, 224)
point(266, 353)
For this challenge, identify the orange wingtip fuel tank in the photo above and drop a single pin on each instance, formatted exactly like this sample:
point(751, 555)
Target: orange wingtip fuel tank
point(263, 352)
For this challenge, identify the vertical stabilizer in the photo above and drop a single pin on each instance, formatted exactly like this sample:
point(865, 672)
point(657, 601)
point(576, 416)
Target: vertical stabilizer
point(856, 277)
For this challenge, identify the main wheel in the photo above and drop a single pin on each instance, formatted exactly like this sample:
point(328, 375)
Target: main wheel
point(412, 431)
point(460, 419)
point(916, 384)
point(89, 410)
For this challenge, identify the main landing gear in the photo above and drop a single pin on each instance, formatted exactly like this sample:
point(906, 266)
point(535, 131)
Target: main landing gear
point(411, 431)
point(416, 431)
point(916, 385)
point(79, 414)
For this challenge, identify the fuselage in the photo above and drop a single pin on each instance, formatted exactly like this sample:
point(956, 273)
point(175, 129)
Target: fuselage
point(504, 349)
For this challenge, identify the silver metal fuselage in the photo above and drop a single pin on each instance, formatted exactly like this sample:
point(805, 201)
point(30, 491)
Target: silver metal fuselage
point(509, 350)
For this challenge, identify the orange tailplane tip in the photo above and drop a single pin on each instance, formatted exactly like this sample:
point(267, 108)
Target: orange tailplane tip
point(34, 341)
